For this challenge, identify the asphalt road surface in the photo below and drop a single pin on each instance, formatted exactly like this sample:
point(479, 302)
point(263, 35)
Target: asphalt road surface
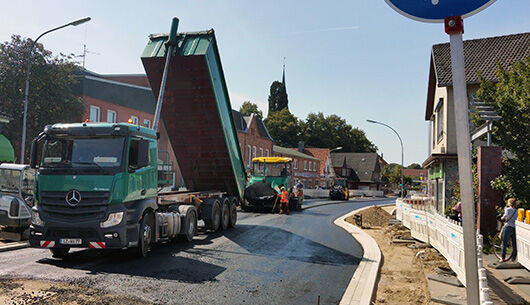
point(266, 259)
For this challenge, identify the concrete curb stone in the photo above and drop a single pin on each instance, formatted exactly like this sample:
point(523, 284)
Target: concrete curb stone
point(14, 246)
point(361, 288)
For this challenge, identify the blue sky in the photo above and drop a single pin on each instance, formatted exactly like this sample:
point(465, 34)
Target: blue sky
point(358, 59)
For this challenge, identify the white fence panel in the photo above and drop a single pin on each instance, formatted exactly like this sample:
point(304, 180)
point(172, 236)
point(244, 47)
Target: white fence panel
point(313, 193)
point(455, 249)
point(367, 193)
point(523, 243)
point(406, 215)
point(444, 234)
point(399, 209)
point(418, 225)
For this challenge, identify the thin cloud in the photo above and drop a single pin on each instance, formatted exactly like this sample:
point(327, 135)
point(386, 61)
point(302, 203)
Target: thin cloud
point(344, 28)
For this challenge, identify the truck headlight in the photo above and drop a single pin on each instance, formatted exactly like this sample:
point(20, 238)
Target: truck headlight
point(112, 220)
point(35, 219)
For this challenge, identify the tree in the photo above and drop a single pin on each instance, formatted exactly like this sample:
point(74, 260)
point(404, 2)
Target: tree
point(510, 98)
point(283, 127)
point(50, 94)
point(414, 166)
point(333, 131)
point(277, 97)
point(392, 173)
point(249, 108)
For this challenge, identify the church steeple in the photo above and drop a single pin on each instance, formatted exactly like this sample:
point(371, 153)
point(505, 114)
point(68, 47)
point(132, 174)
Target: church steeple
point(283, 75)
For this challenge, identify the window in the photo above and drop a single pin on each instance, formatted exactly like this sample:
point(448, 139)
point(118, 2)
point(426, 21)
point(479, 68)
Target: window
point(111, 116)
point(254, 151)
point(94, 113)
point(147, 123)
point(134, 119)
point(305, 165)
point(440, 120)
point(261, 152)
point(249, 154)
point(295, 164)
point(267, 151)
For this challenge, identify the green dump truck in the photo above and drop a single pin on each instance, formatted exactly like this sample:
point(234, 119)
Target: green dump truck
point(96, 184)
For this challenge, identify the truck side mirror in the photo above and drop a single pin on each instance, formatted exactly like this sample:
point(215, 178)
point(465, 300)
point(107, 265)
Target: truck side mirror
point(143, 153)
point(33, 153)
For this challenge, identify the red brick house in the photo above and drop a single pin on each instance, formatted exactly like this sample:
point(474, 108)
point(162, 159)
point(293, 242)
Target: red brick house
point(118, 98)
point(305, 167)
point(325, 169)
point(254, 139)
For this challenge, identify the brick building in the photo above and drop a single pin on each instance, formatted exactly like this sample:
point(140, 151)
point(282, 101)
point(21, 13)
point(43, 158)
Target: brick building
point(118, 98)
point(305, 167)
point(362, 170)
point(254, 139)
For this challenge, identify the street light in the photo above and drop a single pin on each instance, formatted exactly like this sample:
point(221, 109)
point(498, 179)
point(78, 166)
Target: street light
point(26, 92)
point(336, 148)
point(376, 122)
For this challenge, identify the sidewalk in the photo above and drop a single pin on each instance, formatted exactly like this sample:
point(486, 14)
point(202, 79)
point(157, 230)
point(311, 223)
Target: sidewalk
point(510, 293)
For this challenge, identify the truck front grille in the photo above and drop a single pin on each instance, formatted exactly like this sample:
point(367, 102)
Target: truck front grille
point(92, 206)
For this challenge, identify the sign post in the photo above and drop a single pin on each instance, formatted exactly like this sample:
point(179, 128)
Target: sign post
point(451, 12)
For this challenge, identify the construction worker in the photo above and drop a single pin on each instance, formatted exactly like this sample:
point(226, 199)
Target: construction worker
point(284, 201)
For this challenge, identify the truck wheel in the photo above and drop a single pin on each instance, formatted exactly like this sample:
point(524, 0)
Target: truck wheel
point(225, 214)
point(145, 235)
point(215, 217)
point(190, 225)
point(233, 213)
point(59, 252)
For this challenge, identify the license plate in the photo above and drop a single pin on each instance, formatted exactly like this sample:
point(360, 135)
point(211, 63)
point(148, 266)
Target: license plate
point(70, 241)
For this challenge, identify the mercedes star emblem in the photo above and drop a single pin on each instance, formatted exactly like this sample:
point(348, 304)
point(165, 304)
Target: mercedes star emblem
point(73, 198)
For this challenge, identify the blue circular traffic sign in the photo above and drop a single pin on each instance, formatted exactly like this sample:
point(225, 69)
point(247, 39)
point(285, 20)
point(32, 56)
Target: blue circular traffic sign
point(437, 10)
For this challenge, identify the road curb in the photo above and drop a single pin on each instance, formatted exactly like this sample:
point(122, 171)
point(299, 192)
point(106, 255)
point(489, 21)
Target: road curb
point(14, 246)
point(361, 288)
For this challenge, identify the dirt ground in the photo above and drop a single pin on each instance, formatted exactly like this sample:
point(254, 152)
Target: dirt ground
point(25, 292)
point(402, 279)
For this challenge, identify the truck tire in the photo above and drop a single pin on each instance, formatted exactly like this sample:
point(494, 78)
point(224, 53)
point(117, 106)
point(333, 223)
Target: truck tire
point(59, 252)
point(145, 235)
point(190, 225)
point(212, 220)
point(233, 213)
point(225, 214)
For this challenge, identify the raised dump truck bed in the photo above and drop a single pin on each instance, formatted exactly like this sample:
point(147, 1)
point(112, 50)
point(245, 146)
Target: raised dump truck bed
point(196, 112)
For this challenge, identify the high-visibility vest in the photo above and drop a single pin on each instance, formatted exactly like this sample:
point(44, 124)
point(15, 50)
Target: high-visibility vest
point(284, 197)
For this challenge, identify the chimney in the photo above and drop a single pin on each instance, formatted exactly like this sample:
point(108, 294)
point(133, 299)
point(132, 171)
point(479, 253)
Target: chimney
point(301, 146)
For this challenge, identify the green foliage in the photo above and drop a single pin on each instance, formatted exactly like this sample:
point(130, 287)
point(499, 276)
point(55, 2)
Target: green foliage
point(332, 131)
point(248, 108)
point(277, 97)
point(510, 97)
point(392, 173)
point(50, 93)
point(283, 127)
point(414, 166)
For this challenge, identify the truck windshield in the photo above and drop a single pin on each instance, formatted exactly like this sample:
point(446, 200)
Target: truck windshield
point(9, 180)
point(82, 152)
point(271, 169)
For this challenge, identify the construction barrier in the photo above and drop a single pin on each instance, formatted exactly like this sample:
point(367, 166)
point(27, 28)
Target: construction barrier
point(522, 235)
point(444, 234)
point(314, 193)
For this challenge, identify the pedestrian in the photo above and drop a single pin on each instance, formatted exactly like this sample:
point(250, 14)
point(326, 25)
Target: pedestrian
point(458, 208)
point(284, 201)
point(508, 230)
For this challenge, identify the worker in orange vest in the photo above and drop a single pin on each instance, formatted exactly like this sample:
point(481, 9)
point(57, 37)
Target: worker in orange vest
point(284, 201)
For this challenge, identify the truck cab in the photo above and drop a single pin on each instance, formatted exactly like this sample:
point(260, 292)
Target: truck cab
point(16, 200)
point(96, 178)
point(267, 176)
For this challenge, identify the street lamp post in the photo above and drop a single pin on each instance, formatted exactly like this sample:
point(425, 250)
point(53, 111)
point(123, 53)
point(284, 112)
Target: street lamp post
point(401, 142)
point(26, 91)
